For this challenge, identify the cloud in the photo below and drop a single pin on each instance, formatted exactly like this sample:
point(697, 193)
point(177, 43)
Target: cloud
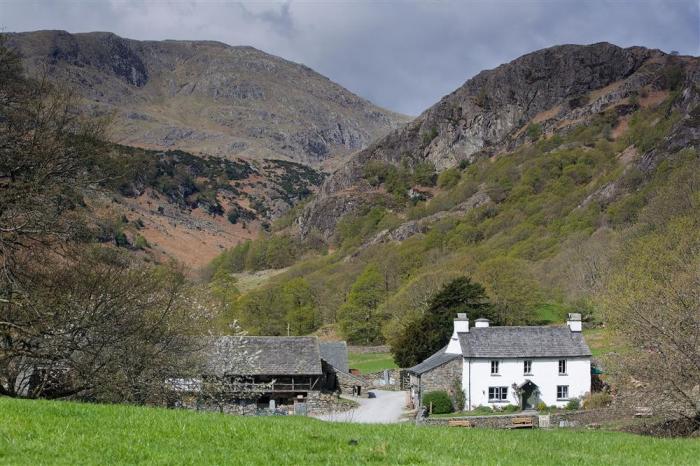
point(403, 55)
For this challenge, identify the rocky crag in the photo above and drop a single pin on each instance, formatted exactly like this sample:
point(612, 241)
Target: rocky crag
point(544, 92)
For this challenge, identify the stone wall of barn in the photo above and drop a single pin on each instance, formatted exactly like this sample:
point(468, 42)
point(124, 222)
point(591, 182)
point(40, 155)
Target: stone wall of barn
point(441, 378)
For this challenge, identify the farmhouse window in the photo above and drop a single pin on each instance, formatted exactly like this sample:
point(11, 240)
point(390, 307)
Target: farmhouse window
point(498, 393)
point(562, 367)
point(562, 392)
point(494, 367)
point(527, 366)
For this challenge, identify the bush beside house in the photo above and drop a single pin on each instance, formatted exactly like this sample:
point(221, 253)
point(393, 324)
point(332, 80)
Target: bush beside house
point(439, 400)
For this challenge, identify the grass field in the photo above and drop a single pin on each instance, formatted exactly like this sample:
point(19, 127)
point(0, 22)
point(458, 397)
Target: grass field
point(601, 341)
point(371, 362)
point(49, 432)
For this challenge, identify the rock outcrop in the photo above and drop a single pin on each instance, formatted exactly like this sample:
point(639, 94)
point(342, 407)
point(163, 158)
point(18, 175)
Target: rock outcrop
point(554, 88)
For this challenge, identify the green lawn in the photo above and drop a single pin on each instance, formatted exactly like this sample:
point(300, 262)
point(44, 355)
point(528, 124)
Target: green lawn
point(371, 362)
point(49, 432)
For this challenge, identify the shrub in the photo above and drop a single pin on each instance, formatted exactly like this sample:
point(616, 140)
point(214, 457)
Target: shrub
point(534, 131)
point(482, 410)
point(509, 408)
point(440, 401)
point(120, 239)
point(597, 400)
point(541, 406)
point(449, 178)
point(429, 136)
point(140, 242)
point(573, 404)
point(424, 174)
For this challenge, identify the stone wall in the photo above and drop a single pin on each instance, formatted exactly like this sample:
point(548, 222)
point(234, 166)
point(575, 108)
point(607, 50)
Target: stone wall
point(581, 418)
point(346, 383)
point(377, 380)
point(488, 422)
point(316, 403)
point(368, 349)
point(442, 377)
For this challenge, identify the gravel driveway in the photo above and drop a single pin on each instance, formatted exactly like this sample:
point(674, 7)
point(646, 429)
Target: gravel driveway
point(385, 408)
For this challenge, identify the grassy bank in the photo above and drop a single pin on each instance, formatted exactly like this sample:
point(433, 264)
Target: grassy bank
point(371, 362)
point(40, 432)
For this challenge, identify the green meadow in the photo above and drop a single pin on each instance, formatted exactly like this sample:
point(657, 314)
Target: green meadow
point(50, 432)
point(371, 362)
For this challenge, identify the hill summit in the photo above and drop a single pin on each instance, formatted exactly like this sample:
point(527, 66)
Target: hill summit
point(207, 97)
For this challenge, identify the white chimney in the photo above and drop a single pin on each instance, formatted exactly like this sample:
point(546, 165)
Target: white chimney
point(481, 322)
point(574, 321)
point(461, 325)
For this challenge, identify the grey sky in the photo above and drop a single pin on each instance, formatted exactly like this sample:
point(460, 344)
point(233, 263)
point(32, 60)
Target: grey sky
point(403, 55)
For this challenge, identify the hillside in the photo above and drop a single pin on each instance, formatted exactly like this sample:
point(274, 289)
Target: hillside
point(206, 97)
point(173, 204)
point(34, 432)
point(175, 108)
point(558, 88)
point(540, 179)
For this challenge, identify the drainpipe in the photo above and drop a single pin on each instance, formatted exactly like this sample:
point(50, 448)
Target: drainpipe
point(470, 384)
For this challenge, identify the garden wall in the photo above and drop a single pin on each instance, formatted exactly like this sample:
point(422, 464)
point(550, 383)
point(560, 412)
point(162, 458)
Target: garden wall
point(368, 349)
point(580, 418)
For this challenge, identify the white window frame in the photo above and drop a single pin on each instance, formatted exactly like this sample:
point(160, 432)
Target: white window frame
point(527, 367)
point(560, 391)
point(495, 364)
point(500, 394)
point(562, 365)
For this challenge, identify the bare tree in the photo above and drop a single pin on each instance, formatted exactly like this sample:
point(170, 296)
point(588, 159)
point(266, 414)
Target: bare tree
point(654, 305)
point(96, 327)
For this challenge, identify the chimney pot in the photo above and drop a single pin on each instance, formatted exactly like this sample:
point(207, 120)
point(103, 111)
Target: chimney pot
point(482, 322)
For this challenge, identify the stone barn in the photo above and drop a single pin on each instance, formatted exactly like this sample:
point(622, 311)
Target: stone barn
point(247, 374)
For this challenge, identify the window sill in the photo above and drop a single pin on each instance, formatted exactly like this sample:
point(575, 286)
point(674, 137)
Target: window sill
point(498, 401)
point(563, 399)
point(495, 375)
point(528, 374)
point(563, 375)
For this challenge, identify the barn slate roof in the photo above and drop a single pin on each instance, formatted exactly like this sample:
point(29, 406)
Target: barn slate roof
point(522, 342)
point(335, 353)
point(436, 360)
point(235, 355)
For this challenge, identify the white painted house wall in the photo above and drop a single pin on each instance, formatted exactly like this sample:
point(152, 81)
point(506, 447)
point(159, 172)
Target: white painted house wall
point(477, 378)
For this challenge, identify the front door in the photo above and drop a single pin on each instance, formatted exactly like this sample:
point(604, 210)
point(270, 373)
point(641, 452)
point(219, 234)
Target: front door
point(530, 395)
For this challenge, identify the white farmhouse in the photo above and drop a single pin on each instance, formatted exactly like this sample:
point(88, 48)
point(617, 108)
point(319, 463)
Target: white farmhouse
point(498, 366)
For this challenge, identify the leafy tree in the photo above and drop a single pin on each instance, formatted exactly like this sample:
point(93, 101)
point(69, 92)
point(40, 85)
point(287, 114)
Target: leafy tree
point(301, 312)
point(432, 330)
point(359, 320)
point(513, 290)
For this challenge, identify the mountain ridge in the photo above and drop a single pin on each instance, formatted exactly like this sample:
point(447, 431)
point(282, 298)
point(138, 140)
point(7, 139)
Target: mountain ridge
point(207, 97)
point(553, 88)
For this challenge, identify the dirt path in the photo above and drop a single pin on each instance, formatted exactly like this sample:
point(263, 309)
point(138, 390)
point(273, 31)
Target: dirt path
point(385, 408)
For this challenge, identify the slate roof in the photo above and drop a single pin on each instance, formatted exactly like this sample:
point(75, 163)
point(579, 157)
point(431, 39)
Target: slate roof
point(522, 342)
point(436, 360)
point(335, 353)
point(233, 355)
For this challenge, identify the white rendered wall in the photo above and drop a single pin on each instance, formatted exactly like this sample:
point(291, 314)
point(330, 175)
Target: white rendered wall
point(545, 374)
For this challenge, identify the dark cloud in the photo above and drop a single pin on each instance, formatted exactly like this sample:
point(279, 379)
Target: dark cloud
point(403, 55)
